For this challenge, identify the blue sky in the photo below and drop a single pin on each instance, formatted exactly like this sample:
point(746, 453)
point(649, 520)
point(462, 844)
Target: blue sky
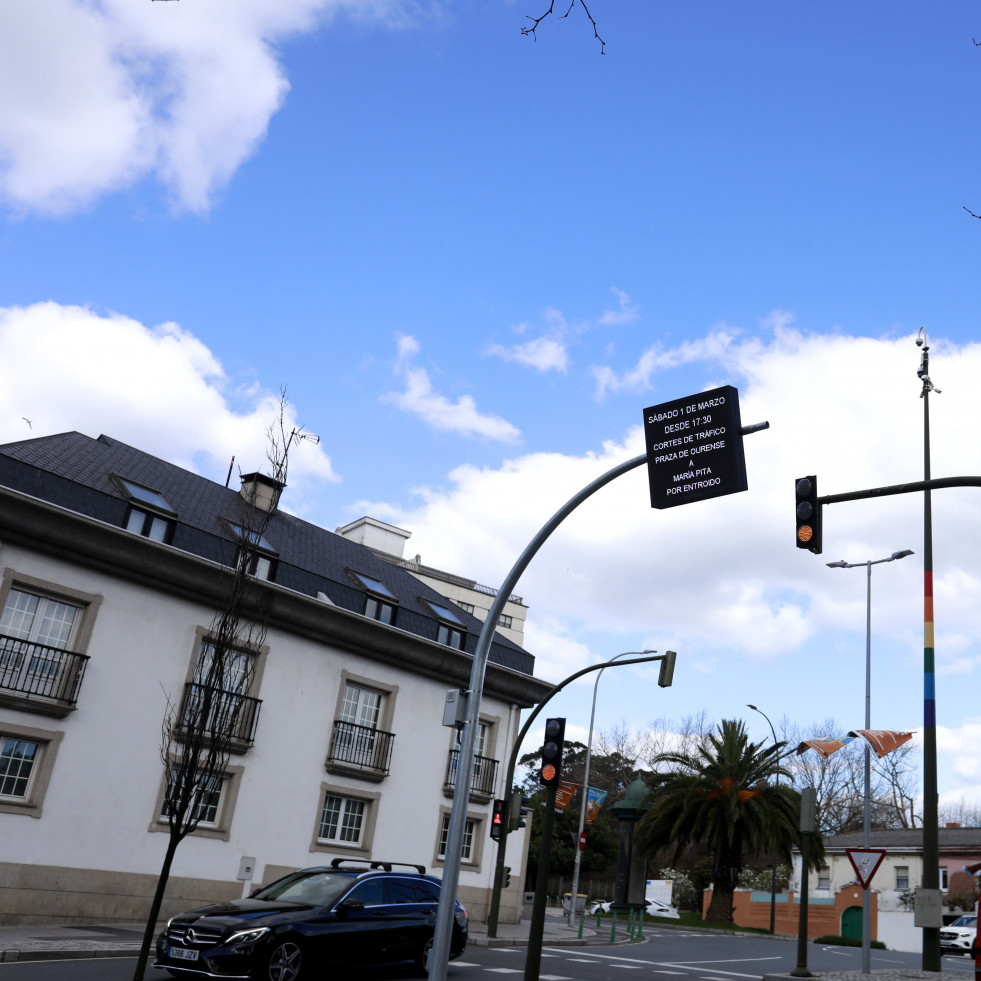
point(474, 258)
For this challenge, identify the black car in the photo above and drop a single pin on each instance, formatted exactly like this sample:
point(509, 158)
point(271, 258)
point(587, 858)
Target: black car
point(342, 916)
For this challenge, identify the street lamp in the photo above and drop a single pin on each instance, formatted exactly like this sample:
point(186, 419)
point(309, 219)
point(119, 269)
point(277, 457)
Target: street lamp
point(773, 870)
point(585, 787)
point(866, 821)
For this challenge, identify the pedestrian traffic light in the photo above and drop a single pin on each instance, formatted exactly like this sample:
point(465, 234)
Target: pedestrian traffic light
point(808, 514)
point(517, 811)
point(552, 752)
point(498, 819)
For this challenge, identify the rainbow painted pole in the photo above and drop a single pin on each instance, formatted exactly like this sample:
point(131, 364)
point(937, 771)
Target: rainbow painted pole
point(931, 844)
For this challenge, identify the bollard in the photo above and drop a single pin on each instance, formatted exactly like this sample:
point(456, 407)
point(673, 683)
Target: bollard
point(613, 928)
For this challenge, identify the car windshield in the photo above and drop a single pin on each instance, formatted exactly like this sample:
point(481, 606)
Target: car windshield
point(965, 921)
point(314, 888)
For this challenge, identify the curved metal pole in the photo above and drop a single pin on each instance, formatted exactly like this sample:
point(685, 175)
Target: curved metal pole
point(461, 793)
point(513, 759)
point(585, 794)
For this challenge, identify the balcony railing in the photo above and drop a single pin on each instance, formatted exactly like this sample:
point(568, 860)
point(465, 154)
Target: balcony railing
point(36, 671)
point(360, 748)
point(228, 714)
point(483, 777)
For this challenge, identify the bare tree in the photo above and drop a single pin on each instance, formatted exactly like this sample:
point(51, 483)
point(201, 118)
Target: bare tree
point(199, 733)
point(531, 30)
point(839, 780)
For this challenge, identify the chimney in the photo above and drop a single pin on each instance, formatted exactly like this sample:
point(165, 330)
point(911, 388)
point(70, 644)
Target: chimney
point(952, 824)
point(262, 491)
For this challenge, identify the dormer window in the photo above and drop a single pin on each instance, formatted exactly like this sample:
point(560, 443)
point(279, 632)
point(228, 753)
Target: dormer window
point(259, 554)
point(450, 630)
point(380, 603)
point(149, 514)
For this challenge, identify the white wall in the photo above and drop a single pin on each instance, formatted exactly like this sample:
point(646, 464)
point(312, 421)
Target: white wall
point(106, 781)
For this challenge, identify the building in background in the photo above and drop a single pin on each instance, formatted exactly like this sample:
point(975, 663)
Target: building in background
point(111, 569)
point(388, 543)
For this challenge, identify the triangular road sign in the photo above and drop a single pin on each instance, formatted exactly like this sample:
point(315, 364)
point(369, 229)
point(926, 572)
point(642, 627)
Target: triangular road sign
point(865, 862)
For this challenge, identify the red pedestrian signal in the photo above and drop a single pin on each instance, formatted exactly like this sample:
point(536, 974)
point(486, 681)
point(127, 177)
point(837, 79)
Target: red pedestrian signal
point(498, 818)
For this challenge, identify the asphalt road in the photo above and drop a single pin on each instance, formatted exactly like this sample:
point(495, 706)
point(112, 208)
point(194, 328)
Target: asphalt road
point(663, 954)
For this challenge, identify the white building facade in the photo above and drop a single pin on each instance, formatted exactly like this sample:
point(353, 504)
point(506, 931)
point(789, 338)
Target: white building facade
point(107, 595)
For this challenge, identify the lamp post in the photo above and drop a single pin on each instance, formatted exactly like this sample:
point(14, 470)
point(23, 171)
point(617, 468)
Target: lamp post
point(866, 818)
point(585, 789)
point(931, 845)
point(773, 870)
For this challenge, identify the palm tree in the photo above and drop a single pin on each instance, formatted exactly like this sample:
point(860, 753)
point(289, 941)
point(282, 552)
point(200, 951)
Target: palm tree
point(725, 796)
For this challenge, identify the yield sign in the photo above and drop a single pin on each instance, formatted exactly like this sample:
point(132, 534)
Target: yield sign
point(865, 862)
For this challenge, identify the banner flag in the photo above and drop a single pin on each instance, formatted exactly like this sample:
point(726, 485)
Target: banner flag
point(825, 745)
point(594, 801)
point(883, 741)
point(564, 794)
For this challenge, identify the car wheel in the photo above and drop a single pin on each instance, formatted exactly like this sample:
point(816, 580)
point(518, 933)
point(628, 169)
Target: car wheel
point(285, 962)
point(422, 958)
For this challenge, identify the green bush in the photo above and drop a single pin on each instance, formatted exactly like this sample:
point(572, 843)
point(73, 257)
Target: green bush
point(847, 942)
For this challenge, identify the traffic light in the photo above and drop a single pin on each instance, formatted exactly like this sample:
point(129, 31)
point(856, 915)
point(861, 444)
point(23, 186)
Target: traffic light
point(507, 877)
point(498, 818)
point(808, 514)
point(551, 766)
point(517, 811)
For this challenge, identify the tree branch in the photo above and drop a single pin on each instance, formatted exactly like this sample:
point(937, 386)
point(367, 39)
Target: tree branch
point(535, 21)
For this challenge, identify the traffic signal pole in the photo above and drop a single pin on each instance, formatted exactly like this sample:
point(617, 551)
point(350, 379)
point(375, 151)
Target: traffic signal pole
point(461, 792)
point(533, 957)
point(664, 680)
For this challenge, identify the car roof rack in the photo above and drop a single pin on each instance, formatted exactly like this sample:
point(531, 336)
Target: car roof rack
point(376, 866)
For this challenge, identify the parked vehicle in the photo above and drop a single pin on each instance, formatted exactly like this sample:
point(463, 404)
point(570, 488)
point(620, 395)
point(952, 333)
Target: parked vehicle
point(654, 907)
point(959, 937)
point(345, 915)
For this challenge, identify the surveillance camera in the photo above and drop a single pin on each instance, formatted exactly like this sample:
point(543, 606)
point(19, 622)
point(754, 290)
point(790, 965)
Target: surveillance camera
point(919, 342)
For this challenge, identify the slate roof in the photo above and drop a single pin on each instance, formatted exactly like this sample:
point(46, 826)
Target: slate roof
point(74, 471)
point(949, 839)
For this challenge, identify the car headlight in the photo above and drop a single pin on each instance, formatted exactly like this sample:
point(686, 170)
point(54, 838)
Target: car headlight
point(247, 936)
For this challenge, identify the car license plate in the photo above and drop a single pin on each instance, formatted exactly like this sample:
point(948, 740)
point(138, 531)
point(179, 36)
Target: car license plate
point(182, 954)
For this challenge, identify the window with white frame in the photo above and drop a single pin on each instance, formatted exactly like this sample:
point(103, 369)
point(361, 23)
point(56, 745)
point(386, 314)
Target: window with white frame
point(450, 629)
point(255, 550)
point(342, 820)
point(27, 757)
point(824, 877)
point(380, 603)
point(469, 831)
point(902, 878)
point(231, 672)
point(36, 631)
point(505, 621)
point(354, 741)
point(211, 801)
point(18, 764)
point(148, 514)
point(205, 800)
point(943, 878)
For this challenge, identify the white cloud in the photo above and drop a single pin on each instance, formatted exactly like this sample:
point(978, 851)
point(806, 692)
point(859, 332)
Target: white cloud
point(720, 581)
point(715, 347)
point(419, 399)
point(96, 96)
point(627, 311)
point(542, 353)
point(67, 368)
